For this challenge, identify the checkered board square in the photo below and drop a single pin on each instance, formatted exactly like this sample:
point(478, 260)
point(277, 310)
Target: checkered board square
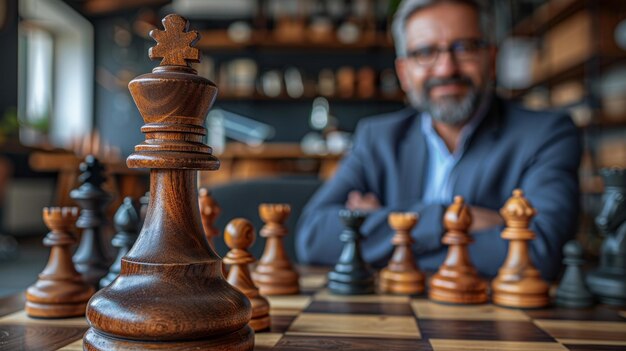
point(318, 320)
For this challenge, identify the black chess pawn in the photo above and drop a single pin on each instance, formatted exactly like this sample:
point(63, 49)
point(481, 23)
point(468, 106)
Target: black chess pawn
point(90, 258)
point(351, 275)
point(126, 221)
point(572, 291)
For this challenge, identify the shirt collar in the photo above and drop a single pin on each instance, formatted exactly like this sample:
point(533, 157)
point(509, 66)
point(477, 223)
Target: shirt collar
point(466, 132)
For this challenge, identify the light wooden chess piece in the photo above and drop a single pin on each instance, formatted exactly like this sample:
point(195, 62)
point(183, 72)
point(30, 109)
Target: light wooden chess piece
point(457, 281)
point(239, 236)
point(60, 291)
point(519, 283)
point(209, 211)
point(274, 274)
point(402, 276)
point(170, 294)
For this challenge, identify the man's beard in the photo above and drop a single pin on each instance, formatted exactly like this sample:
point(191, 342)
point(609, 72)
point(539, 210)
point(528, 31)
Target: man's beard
point(450, 110)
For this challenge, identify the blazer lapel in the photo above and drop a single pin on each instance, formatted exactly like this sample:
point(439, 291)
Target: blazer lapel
point(413, 161)
point(466, 177)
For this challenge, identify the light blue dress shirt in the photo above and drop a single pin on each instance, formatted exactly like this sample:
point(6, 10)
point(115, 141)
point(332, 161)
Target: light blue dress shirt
point(441, 162)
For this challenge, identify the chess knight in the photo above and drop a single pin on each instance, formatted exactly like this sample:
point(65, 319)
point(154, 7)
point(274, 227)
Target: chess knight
point(608, 282)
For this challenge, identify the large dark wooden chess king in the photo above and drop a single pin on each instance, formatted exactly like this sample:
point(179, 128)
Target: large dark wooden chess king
point(170, 294)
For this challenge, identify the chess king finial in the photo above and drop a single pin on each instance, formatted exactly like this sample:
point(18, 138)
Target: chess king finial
point(170, 293)
point(175, 44)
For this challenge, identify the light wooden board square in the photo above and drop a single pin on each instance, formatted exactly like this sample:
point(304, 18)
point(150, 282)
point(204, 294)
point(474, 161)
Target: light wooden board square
point(314, 281)
point(289, 302)
point(430, 310)
point(585, 332)
point(325, 295)
point(490, 345)
point(267, 339)
point(323, 324)
point(21, 318)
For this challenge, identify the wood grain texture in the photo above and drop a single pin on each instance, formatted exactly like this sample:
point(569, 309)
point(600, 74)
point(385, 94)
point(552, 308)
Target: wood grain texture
point(402, 276)
point(275, 275)
point(489, 345)
point(60, 291)
point(519, 283)
point(356, 308)
point(324, 324)
point(482, 330)
point(430, 310)
point(171, 294)
point(21, 318)
point(36, 337)
point(325, 295)
point(567, 331)
point(302, 343)
point(457, 280)
point(239, 236)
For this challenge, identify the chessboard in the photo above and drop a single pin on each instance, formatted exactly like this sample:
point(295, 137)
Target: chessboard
point(318, 320)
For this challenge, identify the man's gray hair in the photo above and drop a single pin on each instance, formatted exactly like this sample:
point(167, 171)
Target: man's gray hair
point(409, 7)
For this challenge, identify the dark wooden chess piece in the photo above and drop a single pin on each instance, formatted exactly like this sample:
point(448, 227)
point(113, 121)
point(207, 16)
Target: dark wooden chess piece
point(209, 211)
point(60, 291)
point(90, 258)
point(351, 275)
point(572, 291)
point(457, 281)
point(608, 282)
point(402, 276)
point(274, 274)
point(519, 283)
point(239, 236)
point(170, 294)
point(126, 221)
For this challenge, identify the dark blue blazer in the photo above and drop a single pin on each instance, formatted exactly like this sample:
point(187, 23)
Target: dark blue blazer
point(538, 152)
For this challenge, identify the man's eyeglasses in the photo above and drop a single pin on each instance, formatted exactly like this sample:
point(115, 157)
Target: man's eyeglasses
point(462, 50)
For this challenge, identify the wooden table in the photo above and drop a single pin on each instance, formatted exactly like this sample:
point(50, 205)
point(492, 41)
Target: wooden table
point(318, 320)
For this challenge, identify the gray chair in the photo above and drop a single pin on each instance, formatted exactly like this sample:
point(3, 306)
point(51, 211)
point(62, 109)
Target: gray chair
point(242, 199)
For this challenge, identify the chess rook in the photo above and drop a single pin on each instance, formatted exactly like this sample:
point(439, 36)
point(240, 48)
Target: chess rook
point(457, 281)
point(351, 275)
point(60, 291)
point(402, 276)
point(90, 258)
point(519, 283)
point(170, 294)
point(126, 221)
point(239, 236)
point(274, 274)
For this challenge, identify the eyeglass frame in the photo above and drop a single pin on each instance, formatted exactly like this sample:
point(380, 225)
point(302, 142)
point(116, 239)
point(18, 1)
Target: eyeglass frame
point(479, 43)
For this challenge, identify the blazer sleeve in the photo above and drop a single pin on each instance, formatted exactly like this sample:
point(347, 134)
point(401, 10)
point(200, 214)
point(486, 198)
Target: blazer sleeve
point(550, 183)
point(317, 235)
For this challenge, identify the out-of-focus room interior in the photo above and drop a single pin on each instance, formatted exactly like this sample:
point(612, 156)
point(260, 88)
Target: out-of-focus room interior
point(294, 77)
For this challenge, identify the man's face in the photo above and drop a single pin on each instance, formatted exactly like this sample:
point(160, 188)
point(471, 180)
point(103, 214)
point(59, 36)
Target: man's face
point(448, 85)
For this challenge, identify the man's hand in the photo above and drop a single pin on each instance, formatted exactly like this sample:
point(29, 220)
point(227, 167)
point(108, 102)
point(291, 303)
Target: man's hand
point(483, 218)
point(360, 202)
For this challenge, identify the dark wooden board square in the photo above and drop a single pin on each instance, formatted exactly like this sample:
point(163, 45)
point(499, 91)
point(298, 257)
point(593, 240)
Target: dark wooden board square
point(280, 324)
point(391, 309)
point(301, 343)
point(37, 337)
point(482, 330)
point(599, 313)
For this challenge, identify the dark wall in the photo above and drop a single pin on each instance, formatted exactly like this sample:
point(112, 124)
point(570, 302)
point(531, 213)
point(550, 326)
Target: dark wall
point(8, 59)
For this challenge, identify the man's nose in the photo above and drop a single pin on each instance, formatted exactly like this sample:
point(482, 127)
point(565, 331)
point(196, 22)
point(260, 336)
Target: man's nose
point(446, 65)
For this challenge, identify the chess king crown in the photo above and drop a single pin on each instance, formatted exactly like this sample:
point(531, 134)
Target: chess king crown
point(173, 101)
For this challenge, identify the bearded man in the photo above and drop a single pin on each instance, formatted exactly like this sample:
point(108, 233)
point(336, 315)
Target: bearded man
point(455, 138)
